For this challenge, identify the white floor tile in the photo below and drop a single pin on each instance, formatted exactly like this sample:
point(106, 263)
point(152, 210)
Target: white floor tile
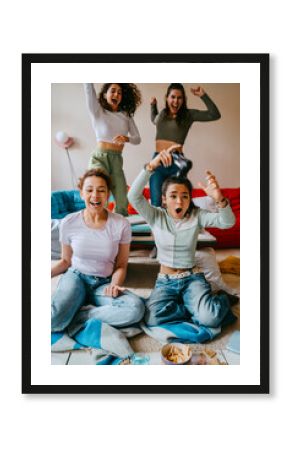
point(59, 358)
point(232, 358)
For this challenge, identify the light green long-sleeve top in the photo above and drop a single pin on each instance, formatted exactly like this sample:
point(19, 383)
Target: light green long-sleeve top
point(176, 239)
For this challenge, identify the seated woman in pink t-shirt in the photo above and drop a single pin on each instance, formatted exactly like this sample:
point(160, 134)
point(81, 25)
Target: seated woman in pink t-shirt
point(95, 252)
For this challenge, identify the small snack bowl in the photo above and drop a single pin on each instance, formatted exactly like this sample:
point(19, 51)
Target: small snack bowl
point(176, 354)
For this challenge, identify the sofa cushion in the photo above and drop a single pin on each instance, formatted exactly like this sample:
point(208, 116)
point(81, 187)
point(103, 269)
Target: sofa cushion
point(65, 202)
point(229, 238)
point(55, 244)
point(146, 193)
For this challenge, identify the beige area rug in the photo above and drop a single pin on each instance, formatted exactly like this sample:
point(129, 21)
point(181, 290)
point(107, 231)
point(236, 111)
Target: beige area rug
point(141, 277)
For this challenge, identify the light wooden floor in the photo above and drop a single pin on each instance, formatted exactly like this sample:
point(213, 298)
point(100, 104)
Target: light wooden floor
point(86, 357)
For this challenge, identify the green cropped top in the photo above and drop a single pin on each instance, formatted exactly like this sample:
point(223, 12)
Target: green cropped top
point(169, 129)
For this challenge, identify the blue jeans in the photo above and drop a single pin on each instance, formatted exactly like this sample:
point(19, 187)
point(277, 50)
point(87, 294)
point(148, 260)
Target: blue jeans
point(183, 299)
point(76, 290)
point(156, 180)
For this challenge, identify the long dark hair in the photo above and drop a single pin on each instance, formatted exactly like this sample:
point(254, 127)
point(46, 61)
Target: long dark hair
point(131, 97)
point(179, 180)
point(183, 109)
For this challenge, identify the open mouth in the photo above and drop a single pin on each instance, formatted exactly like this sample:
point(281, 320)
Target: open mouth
point(95, 203)
point(178, 210)
point(114, 101)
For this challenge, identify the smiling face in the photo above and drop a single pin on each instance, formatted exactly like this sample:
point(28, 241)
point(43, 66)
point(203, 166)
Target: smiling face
point(95, 193)
point(113, 96)
point(174, 101)
point(176, 200)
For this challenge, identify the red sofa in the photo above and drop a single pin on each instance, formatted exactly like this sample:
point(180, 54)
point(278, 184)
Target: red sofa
point(229, 238)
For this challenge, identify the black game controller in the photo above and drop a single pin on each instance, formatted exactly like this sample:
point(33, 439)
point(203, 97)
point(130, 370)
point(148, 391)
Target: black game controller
point(184, 165)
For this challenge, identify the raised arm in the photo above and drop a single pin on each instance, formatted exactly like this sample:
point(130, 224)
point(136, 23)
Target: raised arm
point(136, 198)
point(211, 113)
point(225, 217)
point(92, 102)
point(154, 110)
point(135, 195)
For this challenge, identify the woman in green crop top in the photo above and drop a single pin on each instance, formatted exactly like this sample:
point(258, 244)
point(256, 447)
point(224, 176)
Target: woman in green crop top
point(172, 126)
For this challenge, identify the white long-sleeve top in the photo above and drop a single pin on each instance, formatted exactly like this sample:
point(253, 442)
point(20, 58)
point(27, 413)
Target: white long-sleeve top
point(109, 124)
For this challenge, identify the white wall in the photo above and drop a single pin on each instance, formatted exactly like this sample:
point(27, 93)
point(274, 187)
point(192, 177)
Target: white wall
point(210, 145)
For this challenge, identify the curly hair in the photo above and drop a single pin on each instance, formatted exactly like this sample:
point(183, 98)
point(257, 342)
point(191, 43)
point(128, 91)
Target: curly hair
point(183, 109)
point(131, 97)
point(95, 173)
point(179, 180)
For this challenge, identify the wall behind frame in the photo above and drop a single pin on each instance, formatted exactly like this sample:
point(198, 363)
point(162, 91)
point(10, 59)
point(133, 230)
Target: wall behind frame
point(210, 145)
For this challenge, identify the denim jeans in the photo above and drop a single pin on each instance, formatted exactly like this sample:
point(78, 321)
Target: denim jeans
point(156, 180)
point(183, 299)
point(76, 290)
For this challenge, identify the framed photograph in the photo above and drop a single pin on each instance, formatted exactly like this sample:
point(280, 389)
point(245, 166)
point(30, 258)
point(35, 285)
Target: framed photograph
point(111, 333)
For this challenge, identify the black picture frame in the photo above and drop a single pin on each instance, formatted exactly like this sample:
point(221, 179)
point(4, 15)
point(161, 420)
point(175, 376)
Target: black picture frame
point(262, 60)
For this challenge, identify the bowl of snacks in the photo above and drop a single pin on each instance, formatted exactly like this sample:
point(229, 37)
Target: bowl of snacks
point(176, 354)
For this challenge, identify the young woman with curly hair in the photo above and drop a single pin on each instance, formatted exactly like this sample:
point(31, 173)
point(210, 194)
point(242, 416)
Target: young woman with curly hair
point(112, 119)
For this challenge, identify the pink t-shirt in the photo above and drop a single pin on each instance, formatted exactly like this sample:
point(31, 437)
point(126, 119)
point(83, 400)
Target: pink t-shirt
point(94, 251)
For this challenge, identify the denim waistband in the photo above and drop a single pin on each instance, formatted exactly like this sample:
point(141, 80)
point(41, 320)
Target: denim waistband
point(175, 276)
point(95, 277)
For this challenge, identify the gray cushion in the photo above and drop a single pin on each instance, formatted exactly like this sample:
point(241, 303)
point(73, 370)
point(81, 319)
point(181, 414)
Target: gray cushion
point(55, 244)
